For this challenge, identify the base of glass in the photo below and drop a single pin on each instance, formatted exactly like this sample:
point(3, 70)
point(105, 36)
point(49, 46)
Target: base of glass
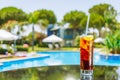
point(86, 74)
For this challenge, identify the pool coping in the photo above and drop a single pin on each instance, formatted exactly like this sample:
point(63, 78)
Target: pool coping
point(23, 58)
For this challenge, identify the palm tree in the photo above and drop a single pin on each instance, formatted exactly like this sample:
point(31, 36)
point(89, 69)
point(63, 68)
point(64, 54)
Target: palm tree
point(33, 18)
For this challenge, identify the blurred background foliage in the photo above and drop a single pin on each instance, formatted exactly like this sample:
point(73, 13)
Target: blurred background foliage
point(101, 15)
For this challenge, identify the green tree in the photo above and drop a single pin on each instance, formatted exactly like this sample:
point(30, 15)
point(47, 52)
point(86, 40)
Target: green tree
point(108, 12)
point(74, 18)
point(96, 21)
point(43, 15)
point(47, 15)
point(33, 18)
point(110, 18)
point(12, 13)
point(11, 16)
point(99, 9)
point(43, 18)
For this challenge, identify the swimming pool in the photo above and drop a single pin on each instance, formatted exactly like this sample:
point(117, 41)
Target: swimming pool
point(54, 58)
point(73, 58)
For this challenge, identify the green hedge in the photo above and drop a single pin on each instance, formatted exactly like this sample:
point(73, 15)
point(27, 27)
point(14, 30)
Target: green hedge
point(43, 45)
point(20, 48)
point(3, 51)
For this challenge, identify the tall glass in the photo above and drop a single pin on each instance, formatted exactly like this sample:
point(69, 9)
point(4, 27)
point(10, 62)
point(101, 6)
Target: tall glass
point(86, 56)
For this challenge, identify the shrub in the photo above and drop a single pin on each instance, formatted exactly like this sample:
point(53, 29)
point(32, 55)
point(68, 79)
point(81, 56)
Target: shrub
point(77, 41)
point(112, 42)
point(98, 45)
point(3, 51)
point(43, 45)
point(20, 48)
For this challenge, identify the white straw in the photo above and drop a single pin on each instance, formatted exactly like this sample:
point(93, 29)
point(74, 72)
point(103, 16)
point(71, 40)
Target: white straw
point(88, 19)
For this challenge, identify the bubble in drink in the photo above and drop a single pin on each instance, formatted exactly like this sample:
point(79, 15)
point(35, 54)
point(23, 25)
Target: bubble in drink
point(86, 52)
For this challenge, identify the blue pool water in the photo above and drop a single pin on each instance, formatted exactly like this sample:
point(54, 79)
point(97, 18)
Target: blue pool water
point(73, 58)
point(54, 58)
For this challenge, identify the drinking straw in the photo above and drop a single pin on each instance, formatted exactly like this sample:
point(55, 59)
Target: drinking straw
point(88, 20)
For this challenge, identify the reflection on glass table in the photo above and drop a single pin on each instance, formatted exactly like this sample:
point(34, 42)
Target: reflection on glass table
point(59, 73)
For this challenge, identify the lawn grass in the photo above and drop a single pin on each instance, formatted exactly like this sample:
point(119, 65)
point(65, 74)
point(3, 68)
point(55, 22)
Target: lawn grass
point(47, 49)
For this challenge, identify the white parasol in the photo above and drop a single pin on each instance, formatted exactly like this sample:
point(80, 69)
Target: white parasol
point(99, 40)
point(53, 38)
point(5, 35)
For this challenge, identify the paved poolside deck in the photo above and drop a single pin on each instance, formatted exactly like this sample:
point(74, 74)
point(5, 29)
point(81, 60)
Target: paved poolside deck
point(5, 56)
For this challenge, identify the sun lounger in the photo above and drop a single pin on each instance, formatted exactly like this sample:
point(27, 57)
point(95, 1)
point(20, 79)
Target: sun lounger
point(21, 54)
point(57, 46)
point(50, 46)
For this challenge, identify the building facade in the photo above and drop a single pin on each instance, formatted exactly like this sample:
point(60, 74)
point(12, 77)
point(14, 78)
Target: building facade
point(67, 34)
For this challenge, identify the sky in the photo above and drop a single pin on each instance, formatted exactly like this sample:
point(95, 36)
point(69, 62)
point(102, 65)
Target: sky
point(60, 7)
